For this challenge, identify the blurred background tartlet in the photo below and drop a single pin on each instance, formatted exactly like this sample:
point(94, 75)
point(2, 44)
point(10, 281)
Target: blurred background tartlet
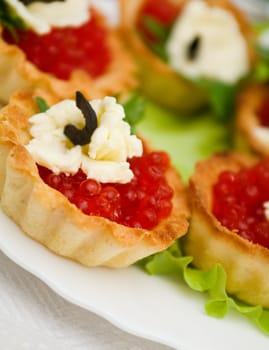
point(78, 49)
point(184, 48)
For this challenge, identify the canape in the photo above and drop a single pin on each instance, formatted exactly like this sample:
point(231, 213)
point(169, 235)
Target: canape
point(76, 180)
point(230, 223)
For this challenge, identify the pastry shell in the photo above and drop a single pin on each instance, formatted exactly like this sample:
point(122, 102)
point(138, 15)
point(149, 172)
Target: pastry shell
point(49, 218)
point(247, 121)
point(246, 264)
point(18, 73)
point(157, 79)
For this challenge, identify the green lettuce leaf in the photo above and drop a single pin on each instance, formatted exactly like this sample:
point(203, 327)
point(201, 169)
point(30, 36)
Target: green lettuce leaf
point(221, 97)
point(134, 108)
point(159, 32)
point(10, 20)
point(261, 26)
point(42, 104)
point(213, 281)
point(187, 139)
point(261, 72)
point(261, 69)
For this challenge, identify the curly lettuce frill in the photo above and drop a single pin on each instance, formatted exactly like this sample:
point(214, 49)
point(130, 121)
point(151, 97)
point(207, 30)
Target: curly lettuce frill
point(212, 281)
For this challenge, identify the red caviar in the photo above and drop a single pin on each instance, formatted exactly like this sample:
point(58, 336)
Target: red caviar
point(165, 12)
point(141, 203)
point(263, 112)
point(238, 202)
point(64, 50)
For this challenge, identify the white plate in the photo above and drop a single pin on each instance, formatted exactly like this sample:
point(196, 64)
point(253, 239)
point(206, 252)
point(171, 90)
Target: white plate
point(146, 306)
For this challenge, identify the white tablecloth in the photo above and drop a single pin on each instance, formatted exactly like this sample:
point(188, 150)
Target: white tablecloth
point(33, 317)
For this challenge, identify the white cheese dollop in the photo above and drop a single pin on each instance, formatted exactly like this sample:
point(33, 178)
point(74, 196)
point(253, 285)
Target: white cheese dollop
point(41, 17)
point(222, 51)
point(104, 159)
point(262, 134)
point(266, 210)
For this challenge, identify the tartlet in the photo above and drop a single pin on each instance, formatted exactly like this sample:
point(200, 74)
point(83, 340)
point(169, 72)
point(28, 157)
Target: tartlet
point(158, 80)
point(252, 132)
point(18, 72)
point(50, 218)
point(209, 242)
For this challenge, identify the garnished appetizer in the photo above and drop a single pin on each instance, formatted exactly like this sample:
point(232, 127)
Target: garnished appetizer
point(62, 45)
point(229, 201)
point(185, 46)
point(76, 179)
point(252, 119)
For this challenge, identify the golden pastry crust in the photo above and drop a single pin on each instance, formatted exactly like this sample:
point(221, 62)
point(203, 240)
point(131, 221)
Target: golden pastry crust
point(48, 217)
point(246, 263)
point(18, 73)
point(156, 77)
point(247, 120)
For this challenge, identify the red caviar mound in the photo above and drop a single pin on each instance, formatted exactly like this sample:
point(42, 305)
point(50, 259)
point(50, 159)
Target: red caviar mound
point(238, 202)
point(64, 50)
point(141, 203)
